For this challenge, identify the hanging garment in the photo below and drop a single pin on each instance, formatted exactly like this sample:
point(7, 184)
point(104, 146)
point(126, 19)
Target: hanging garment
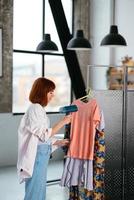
point(79, 171)
point(83, 125)
point(80, 193)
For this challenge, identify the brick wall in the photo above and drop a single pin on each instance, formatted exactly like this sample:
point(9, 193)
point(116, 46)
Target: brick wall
point(6, 22)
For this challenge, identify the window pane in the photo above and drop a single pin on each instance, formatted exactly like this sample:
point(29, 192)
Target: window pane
point(56, 70)
point(26, 68)
point(27, 24)
point(67, 6)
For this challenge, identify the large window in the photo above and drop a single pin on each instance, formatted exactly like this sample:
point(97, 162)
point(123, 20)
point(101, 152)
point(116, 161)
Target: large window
point(29, 64)
point(56, 69)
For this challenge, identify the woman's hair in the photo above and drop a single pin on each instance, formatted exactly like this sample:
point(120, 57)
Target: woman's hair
point(40, 89)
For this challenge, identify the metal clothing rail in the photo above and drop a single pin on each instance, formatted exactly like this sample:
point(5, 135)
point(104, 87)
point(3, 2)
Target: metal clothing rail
point(53, 181)
point(124, 132)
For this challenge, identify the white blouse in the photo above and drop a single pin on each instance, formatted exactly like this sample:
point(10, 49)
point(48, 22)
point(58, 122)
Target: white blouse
point(34, 130)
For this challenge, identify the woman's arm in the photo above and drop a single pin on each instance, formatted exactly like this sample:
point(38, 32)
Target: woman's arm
point(38, 126)
point(65, 120)
point(62, 142)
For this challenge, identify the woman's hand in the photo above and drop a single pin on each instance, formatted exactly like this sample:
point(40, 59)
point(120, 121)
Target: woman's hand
point(67, 119)
point(63, 142)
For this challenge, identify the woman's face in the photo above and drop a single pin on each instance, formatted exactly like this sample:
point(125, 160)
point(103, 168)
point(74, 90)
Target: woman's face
point(50, 95)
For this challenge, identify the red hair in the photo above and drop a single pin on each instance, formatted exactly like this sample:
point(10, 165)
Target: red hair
point(40, 89)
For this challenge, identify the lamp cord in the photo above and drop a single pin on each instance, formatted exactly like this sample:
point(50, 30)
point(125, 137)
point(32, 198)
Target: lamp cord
point(113, 12)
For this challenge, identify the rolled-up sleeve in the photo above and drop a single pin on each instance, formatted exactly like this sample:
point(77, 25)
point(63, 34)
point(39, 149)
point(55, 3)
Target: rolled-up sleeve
point(37, 123)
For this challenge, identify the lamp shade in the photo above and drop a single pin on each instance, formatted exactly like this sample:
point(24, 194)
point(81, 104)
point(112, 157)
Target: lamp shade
point(79, 42)
point(47, 45)
point(113, 39)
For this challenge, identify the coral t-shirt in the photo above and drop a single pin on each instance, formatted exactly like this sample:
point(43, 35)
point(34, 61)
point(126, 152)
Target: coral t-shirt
point(83, 127)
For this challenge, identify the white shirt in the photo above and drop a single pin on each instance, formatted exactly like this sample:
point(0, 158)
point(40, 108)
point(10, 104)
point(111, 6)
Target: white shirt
point(33, 131)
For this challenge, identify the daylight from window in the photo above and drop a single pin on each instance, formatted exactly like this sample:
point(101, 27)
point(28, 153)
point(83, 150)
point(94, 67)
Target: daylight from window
point(27, 33)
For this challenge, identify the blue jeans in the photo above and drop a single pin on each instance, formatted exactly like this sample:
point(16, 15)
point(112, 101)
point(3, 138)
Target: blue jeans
point(35, 187)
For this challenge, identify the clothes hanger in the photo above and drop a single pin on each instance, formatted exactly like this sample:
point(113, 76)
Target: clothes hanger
point(89, 94)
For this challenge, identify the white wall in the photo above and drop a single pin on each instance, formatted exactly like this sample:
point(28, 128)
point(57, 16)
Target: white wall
point(8, 138)
point(100, 18)
point(124, 18)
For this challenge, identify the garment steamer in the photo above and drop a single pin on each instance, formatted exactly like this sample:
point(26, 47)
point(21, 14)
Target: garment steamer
point(67, 110)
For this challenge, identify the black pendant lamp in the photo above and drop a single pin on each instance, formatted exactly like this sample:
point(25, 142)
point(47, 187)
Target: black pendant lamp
point(79, 42)
point(47, 45)
point(113, 39)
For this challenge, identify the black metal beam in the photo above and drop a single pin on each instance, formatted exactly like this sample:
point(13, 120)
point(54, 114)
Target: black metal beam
point(78, 84)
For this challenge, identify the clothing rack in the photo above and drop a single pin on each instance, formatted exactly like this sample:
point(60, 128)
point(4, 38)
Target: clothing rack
point(124, 134)
point(124, 173)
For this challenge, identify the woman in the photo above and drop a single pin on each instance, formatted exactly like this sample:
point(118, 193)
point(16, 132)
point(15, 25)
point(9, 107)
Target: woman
point(36, 140)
